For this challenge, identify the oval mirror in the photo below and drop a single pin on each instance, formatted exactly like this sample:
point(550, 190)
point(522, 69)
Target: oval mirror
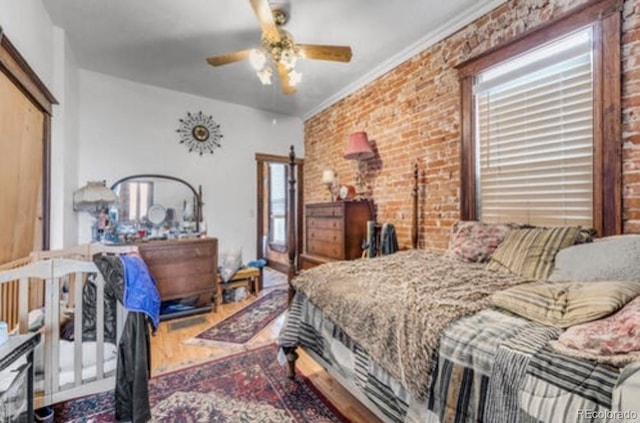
point(155, 207)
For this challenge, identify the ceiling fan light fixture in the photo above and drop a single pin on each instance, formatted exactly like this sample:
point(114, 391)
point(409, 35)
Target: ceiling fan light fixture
point(289, 58)
point(294, 77)
point(257, 58)
point(265, 75)
point(279, 52)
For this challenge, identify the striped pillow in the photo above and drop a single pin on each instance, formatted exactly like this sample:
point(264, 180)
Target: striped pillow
point(566, 304)
point(530, 252)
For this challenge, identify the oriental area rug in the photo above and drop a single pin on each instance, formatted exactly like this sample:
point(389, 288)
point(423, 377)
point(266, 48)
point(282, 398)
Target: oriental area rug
point(243, 325)
point(247, 387)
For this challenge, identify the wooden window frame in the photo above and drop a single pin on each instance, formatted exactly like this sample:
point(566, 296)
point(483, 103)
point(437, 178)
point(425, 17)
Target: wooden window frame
point(605, 18)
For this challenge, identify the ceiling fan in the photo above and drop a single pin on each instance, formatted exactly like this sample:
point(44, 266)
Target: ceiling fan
point(279, 47)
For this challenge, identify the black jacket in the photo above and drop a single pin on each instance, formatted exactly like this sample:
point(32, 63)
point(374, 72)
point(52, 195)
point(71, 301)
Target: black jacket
point(134, 353)
point(133, 371)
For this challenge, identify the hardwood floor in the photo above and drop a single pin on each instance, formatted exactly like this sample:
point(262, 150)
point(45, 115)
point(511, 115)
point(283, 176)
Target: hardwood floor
point(169, 352)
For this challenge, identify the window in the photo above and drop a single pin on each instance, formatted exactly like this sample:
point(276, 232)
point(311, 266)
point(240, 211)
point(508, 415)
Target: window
point(534, 135)
point(277, 204)
point(136, 198)
point(541, 125)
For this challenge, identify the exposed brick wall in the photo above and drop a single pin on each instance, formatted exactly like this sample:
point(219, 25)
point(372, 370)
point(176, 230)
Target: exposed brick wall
point(412, 113)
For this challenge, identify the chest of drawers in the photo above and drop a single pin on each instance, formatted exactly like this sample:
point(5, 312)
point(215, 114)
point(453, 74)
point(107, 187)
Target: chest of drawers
point(184, 269)
point(335, 231)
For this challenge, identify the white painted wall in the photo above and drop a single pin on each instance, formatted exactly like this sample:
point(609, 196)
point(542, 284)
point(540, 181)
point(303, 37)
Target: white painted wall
point(128, 128)
point(64, 144)
point(29, 27)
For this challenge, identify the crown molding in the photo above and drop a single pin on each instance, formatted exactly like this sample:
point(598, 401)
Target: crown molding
point(431, 38)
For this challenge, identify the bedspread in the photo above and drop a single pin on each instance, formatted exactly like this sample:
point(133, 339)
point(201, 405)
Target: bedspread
point(496, 367)
point(396, 307)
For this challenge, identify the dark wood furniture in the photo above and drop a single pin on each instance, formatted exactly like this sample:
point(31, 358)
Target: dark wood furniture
point(185, 269)
point(335, 231)
point(18, 394)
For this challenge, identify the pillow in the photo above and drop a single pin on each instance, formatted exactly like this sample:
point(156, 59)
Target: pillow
point(89, 351)
point(585, 235)
point(67, 354)
point(611, 258)
point(613, 340)
point(36, 319)
point(475, 241)
point(566, 304)
point(530, 252)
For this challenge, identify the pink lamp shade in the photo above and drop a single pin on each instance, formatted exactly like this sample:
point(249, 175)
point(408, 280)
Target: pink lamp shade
point(358, 147)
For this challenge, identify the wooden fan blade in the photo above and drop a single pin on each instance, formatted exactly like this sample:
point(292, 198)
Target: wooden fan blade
point(227, 58)
point(283, 73)
point(321, 52)
point(265, 18)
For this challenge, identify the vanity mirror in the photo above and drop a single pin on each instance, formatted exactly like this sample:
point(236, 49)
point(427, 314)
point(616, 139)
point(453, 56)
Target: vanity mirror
point(155, 207)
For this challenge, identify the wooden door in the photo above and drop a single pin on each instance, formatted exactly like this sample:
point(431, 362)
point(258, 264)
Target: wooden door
point(25, 122)
point(21, 147)
point(276, 258)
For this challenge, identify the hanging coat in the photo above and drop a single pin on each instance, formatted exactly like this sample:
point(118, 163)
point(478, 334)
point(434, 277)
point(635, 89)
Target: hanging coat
point(388, 239)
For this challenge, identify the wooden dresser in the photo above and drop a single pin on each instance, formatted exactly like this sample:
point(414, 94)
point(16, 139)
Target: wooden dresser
point(334, 231)
point(185, 269)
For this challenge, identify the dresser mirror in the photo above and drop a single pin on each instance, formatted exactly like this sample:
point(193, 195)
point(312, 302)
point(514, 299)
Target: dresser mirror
point(152, 207)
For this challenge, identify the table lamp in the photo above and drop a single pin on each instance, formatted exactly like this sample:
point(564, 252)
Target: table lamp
point(359, 149)
point(329, 179)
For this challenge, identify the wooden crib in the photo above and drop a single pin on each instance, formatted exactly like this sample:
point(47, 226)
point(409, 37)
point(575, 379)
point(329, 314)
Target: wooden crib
point(41, 277)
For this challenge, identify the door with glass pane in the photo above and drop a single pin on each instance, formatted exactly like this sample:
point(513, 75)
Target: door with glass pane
point(272, 213)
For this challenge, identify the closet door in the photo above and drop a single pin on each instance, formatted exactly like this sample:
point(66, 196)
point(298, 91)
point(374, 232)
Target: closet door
point(21, 173)
point(25, 132)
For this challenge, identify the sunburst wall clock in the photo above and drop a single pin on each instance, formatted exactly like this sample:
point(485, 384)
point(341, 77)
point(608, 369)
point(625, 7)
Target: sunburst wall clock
point(200, 133)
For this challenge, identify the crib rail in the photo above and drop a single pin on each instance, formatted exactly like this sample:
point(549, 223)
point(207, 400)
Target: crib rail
point(9, 294)
point(45, 273)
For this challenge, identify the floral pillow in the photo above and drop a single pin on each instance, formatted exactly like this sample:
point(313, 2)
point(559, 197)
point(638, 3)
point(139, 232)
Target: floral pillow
point(614, 340)
point(475, 241)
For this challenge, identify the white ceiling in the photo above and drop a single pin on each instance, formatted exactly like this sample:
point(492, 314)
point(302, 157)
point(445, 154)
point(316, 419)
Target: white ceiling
point(165, 43)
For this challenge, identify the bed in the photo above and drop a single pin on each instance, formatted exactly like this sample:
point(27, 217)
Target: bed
point(65, 369)
point(423, 336)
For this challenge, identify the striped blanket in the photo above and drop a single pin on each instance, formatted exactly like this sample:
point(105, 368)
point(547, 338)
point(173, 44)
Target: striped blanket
point(496, 368)
point(460, 387)
point(307, 326)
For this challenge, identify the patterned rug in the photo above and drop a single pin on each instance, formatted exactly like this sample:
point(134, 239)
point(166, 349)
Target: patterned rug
point(243, 325)
point(246, 387)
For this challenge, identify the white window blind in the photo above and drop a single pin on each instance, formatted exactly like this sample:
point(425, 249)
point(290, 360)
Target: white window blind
point(534, 132)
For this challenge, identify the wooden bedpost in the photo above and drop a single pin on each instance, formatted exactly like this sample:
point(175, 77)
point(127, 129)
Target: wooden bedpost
point(291, 222)
point(290, 352)
point(414, 217)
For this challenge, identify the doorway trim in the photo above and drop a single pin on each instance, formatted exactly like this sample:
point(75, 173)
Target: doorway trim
point(262, 160)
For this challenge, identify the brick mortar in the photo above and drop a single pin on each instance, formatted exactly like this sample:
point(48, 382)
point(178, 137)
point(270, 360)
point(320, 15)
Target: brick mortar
point(412, 113)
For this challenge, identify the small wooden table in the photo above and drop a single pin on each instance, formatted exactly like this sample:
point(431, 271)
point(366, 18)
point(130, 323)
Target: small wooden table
point(246, 277)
